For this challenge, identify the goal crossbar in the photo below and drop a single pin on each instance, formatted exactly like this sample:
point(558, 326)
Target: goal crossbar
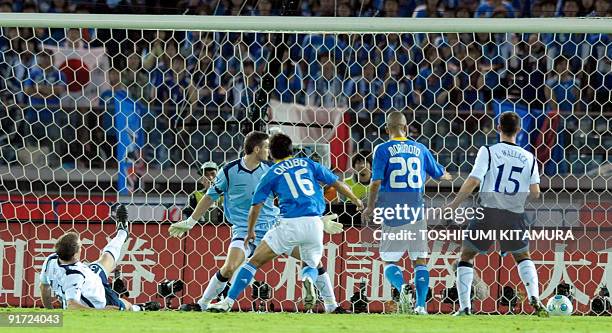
point(308, 24)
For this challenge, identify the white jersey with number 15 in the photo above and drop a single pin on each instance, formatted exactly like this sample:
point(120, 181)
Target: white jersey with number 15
point(505, 171)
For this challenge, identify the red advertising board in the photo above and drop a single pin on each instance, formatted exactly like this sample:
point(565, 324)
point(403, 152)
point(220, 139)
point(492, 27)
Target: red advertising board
point(151, 256)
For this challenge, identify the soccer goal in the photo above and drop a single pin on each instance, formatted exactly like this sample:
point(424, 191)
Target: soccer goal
point(98, 110)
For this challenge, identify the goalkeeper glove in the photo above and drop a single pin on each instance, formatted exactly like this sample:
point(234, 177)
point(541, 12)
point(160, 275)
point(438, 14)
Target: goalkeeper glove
point(330, 225)
point(178, 229)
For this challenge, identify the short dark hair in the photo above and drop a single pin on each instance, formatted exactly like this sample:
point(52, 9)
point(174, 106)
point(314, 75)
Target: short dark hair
point(280, 146)
point(362, 156)
point(509, 122)
point(252, 140)
point(67, 246)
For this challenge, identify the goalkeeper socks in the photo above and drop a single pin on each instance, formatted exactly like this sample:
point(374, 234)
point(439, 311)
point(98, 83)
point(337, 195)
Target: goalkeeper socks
point(529, 276)
point(242, 280)
point(215, 286)
point(421, 283)
point(395, 276)
point(465, 276)
point(310, 272)
point(114, 246)
point(326, 290)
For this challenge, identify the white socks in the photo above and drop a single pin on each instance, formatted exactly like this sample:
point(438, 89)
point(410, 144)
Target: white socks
point(326, 290)
point(114, 246)
point(465, 276)
point(529, 276)
point(215, 286)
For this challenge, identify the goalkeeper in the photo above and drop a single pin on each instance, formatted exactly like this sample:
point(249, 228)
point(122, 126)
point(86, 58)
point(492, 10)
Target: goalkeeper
point(237, 182)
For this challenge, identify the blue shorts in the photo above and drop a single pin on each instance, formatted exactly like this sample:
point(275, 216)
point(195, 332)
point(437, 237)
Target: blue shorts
point(112, 298)
point(238, 236)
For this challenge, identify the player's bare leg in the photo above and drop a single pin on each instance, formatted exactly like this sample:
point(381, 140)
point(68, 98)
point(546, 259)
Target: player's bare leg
point(421, 284)
point(263, 254)
point(529, 277)
point(465, 276)
point(216, 285)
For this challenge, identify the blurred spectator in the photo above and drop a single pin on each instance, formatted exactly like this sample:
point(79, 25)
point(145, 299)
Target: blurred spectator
point(430, 8)
point(391, 8)
point(398, 89)
point(44, 83)
point(325, 89)
point(244, 85)
point(289, 82)
point(182, 76)
point(563, 87)
point(44, 86)
point(603, 8)
point(495, 8)
point(365, 8)
point(363, 90)
point(136, 79)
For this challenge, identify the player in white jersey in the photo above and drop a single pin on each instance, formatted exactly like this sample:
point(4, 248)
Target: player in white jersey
point(85, 286)
point(507, 176)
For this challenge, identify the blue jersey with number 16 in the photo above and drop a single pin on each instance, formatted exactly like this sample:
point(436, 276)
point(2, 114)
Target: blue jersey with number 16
point(402, 165)
point(295, 181)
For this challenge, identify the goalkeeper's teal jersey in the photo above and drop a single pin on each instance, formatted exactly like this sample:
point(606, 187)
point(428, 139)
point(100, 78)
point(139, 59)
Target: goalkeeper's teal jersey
point(237, 185)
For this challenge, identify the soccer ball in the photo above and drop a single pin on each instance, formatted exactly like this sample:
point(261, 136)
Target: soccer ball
point(559, 306)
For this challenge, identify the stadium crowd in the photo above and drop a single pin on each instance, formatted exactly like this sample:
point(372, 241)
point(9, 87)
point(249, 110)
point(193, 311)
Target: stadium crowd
point(173, 80)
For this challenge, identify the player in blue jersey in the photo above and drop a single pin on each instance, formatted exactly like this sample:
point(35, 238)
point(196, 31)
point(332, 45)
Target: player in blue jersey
point(237, 183)
point(399, 170)
point(296, 182)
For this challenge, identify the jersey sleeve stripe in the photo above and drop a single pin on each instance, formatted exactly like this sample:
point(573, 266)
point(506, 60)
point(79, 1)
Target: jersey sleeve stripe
point(86, 301)
point(489, 165)
point(51, 257)
point(73, 271)
point(226, 170)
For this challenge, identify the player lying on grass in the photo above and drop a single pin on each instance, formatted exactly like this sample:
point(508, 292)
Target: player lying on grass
point(400, 168)
point(295, 181)
point(507, 175)
point(85, 286)
point(237, 183)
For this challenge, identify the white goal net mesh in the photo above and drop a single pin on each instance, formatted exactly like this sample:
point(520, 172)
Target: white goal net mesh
point(94, 117)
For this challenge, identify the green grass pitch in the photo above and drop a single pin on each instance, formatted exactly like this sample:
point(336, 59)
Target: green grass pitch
point(179, 322)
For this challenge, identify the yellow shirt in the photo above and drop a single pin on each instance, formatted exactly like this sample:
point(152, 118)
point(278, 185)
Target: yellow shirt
point(360, 190)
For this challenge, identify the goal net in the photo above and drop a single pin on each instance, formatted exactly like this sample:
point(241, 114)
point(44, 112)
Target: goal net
point(98, 110)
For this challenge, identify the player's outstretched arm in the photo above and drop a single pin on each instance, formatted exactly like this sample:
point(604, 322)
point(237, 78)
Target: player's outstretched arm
point(45, 294)
point(466, 189)
point(372, 197)
point(178, 229)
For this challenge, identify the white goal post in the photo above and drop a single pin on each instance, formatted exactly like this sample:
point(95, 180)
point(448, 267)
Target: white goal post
point(137, 103)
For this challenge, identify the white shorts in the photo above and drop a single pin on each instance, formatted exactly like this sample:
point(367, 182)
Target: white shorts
point(239, 244)
point(304, 232)
point(393, 251)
